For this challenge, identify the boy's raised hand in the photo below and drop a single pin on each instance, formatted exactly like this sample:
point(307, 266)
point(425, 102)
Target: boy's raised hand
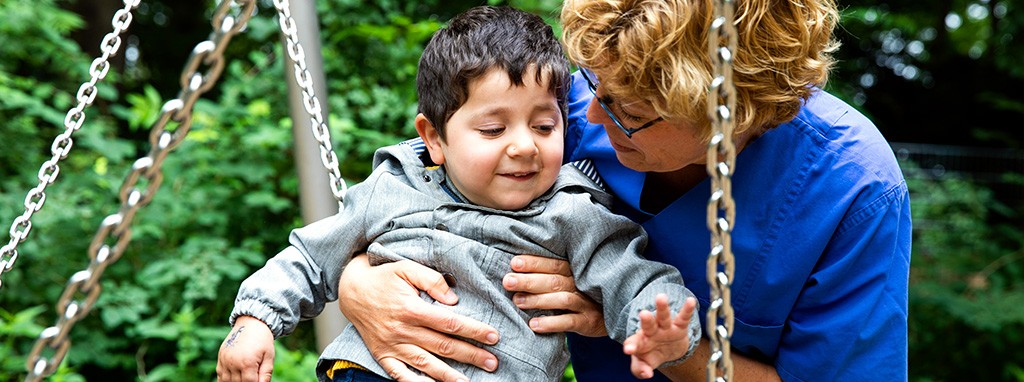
point(661, 337)
point(247, 354)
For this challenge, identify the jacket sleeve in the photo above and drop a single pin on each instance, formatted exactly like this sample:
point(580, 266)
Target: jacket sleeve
point(607, 266)
point(297, 282)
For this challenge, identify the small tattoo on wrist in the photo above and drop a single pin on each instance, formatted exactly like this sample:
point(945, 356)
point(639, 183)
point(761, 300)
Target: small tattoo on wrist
point(231, 340)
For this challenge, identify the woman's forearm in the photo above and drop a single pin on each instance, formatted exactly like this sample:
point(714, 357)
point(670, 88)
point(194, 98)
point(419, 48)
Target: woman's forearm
point(695, 368)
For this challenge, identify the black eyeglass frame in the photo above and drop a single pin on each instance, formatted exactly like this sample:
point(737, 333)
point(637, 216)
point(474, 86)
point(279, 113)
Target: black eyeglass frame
point(625, 130)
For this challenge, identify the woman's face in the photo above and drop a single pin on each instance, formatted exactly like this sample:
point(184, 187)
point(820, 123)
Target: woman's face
point(665, 146)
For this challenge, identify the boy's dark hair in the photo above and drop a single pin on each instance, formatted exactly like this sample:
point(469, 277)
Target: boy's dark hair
point(477, 40)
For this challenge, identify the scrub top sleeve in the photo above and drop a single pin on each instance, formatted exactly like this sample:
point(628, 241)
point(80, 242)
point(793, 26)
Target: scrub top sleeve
point(850, 321)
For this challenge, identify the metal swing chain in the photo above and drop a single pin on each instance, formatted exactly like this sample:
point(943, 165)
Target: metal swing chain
point(114, 233)
point(721, 161)
point(311, 103)
point(61, 146)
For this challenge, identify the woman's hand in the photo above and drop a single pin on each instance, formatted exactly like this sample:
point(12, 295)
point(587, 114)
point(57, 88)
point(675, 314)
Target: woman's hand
point(545, 283)
point(401, 330)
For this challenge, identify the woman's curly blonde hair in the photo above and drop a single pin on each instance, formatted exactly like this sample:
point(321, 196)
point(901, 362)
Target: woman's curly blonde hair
point(657, 51)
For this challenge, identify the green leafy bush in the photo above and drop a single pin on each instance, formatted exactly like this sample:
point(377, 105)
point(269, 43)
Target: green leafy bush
point(229, 195)
point(967, 282)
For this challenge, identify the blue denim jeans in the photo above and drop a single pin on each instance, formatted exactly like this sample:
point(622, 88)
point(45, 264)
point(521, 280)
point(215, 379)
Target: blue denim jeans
point(357, 375)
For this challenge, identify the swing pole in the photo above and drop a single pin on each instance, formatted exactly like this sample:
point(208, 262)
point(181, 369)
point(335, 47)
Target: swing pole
point(315, 197)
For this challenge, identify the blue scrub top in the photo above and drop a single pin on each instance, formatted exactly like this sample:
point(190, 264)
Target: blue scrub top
point(822, 245)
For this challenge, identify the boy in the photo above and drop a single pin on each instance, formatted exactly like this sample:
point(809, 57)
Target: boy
point(491, 184)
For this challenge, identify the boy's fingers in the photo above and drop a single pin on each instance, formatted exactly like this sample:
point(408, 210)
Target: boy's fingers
point(250, 374)
point(686, 313)
point(640, 369)
point(229, 376)
point(538, 264)
point(266, 370)
point(648, 323)
point(632, 343)
point(664, 313)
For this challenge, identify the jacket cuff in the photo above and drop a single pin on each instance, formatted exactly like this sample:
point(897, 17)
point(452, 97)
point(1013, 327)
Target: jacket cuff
point(695, 334)
point(262, 312)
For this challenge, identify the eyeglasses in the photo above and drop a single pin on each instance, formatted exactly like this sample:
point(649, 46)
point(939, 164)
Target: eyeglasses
point(626, 130)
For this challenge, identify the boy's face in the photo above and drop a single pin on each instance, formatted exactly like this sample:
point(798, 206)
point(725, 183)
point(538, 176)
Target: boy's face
point(503, 147)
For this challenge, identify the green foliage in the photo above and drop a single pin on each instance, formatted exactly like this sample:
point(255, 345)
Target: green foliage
point(36, 68)
point(967, 282)
point(569, 375)
point(293, 365)
point(18, 328)
point(901, 57)
point(1004, 33)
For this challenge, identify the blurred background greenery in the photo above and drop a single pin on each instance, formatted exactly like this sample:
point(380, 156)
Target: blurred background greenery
point(940, 78)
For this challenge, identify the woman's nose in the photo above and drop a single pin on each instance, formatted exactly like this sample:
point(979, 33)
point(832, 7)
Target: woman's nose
point(596, 114)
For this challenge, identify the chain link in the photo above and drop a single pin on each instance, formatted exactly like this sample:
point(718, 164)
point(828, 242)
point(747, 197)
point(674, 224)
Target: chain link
point(61, 146)
point(114, 233)
point(721, 214)
point(312, 105)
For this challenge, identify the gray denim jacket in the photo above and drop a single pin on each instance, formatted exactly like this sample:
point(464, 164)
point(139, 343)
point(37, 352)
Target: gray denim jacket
point(405, 210)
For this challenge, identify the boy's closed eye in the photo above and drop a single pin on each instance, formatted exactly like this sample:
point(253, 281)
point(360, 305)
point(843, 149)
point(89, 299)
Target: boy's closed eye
point(545, 128)
point(492, 131)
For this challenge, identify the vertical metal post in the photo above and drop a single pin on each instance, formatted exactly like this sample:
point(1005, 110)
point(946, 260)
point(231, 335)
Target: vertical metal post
point(316, 199)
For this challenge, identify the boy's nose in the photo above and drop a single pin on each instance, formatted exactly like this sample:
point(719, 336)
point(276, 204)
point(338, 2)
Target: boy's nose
point(522, 144)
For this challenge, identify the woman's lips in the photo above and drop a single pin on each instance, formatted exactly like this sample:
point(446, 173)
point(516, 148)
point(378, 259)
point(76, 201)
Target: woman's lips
point(620, 148)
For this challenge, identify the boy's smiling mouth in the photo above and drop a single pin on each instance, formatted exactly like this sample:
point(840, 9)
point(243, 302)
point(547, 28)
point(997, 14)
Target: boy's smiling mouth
point(525, 175)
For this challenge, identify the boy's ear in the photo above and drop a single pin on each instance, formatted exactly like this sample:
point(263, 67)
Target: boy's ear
point(430, 137)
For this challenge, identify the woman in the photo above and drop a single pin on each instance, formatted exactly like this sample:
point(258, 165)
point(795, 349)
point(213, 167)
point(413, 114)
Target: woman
point(822, 232)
